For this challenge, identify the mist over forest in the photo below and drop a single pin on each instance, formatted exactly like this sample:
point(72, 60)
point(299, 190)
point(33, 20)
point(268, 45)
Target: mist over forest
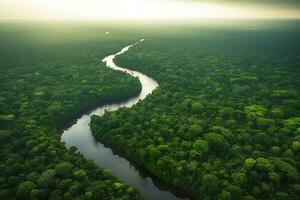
point(131, 100)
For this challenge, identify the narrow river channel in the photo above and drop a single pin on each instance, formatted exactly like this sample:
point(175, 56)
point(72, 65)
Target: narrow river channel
point(80, 136)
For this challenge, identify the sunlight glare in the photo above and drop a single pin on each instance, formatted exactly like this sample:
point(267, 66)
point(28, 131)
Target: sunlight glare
point(127, 10)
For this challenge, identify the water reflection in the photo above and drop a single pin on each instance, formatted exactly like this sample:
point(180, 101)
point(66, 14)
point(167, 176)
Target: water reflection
point(80, 136)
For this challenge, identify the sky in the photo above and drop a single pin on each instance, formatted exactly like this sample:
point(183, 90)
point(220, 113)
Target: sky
point(147, 10)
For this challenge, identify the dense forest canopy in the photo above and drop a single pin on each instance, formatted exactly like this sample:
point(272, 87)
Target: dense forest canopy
point(225, 120)
point(49, 74)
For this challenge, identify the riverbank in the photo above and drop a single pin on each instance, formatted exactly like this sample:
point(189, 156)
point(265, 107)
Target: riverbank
point(144, 172)
point(88, 109)
point(80, 136)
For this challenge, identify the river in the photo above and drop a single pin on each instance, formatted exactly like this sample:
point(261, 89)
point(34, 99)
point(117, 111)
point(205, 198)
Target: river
point(80, 136)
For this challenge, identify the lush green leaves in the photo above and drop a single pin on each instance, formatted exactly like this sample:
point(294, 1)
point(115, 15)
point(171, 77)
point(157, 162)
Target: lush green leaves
point(44, 84)
point(226, 113)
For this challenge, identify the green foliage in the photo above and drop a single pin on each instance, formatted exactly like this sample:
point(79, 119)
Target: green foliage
point(224, 123)
point(49, 75)
point(46, 179)
point(286, 169)
point(216, 142)
point(4, 136)
point(296, 146)
point(197, 107)
point(25, 189)
point(80, 174)
point(264, 164)
point(277, 112)
point(227, 109)
point(210, 184)
point(201, 146)
point(63, 168)
point(292, 123)
point(249, 163)
point(194, 131)
point(255, 111)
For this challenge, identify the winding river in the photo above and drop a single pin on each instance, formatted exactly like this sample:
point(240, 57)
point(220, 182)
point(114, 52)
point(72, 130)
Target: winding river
point(80, 136)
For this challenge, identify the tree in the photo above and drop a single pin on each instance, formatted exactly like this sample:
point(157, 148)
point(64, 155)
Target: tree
point(277, 113)
point(210, 185)
point(286, 169)
point(63, 168)
point(216, 142)
point(263, 139)
point(292, 123)
point(193, 131)
point(226, 112)
point(64, 185)
point(239, 178)
point(265, 123)
point(201, 146)
point(4, 136)
point(296, 146)
point(197, 107)
point(264, 164)
point(74, 190)
point(275, 178)
point(46, 179)
point(80, 174)
point(255, 111)
point(24, 189)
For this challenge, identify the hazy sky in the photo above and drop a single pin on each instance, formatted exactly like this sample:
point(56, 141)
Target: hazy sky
point(142, 10)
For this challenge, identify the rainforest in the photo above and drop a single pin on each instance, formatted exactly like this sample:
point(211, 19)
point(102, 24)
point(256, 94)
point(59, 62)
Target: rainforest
point(197, 111)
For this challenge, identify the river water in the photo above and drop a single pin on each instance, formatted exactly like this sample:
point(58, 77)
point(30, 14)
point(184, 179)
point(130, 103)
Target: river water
point(80, 136)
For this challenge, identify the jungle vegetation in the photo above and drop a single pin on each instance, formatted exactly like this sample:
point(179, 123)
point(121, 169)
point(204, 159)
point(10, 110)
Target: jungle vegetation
point(49, 74)
point(223, 124)
point(225, 120)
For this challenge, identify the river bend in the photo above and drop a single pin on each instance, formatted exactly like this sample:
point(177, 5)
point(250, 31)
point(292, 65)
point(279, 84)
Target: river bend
point(80, 136)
